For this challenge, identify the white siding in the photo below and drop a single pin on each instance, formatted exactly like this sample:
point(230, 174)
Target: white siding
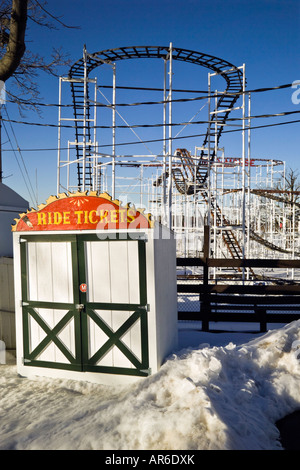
point(50, 272)
point(112, 272)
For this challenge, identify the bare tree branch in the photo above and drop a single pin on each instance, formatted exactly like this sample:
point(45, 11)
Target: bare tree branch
point(23, 66)
point(16, 41)
point(56, 18)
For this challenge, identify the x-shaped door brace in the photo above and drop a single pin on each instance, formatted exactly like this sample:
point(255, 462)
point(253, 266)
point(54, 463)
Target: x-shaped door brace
point(115, 338)
point(51, 335)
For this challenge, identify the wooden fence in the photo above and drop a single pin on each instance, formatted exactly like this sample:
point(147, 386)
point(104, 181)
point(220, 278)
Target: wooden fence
point(232, 301)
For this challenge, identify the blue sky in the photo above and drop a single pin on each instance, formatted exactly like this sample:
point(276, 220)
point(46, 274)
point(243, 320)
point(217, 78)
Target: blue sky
point(262, 34)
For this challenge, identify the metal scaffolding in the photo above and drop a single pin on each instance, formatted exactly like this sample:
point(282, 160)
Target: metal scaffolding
point(237, 196)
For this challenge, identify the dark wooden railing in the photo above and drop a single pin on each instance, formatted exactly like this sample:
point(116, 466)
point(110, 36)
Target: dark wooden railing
point(277, 301)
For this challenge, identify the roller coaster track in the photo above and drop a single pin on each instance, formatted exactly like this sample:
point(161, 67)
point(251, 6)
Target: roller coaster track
point(229, 238)
point(254, 236)
point(271, 194)
point(81, 69)
point(186, 171)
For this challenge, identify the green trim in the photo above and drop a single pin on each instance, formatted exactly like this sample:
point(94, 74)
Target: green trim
point(113, 237)
point(144, 338)
point(142, 272)
point(25, 318)
point(119, 371)
point(81, 273)
point(96, 369)
point(51, 336)
point(77, 301)
point(23, 249)
point(48, 238)
point(53, 365)
point(113, 306)
point(115, 339)
point(52, 305)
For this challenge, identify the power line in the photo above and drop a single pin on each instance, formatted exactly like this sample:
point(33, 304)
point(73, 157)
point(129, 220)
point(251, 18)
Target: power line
point(185, 123)
point(203, 135)
point(28, 185)
point(151, 89)
point(161, 139)
point(197, 98)
point(179, 100)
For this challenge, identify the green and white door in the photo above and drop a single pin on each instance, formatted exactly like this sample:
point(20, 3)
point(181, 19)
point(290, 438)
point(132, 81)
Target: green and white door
point(84, 303)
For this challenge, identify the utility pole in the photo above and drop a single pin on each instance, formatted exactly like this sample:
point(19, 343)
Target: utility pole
point(2, 101)
point(0, 145)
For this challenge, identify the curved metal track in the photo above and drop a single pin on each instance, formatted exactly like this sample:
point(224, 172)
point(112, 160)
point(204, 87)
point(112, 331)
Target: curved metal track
point(228, 235)
point(231, 74)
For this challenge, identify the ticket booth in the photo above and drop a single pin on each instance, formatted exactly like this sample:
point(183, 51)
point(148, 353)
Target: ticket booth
point(95, 290)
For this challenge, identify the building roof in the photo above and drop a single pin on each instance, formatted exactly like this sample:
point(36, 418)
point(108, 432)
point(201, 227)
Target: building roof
point(10, 200)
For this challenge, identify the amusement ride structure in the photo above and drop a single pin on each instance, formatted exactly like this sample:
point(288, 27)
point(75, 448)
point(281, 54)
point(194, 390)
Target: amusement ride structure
point(242, 199)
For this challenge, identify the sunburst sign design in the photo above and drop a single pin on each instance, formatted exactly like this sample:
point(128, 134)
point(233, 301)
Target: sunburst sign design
point(82, 211)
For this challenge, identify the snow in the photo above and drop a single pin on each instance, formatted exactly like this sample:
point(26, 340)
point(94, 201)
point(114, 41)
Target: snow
point(220, 391)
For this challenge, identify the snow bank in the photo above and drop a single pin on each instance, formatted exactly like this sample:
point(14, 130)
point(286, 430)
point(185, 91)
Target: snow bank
point(209, 397)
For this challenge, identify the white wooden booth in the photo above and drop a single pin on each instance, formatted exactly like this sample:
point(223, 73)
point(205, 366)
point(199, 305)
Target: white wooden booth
point(95, 291)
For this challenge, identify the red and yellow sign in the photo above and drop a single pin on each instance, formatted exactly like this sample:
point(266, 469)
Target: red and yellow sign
point(80, 211)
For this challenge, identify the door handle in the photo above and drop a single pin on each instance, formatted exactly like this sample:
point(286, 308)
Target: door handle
point(79, 307)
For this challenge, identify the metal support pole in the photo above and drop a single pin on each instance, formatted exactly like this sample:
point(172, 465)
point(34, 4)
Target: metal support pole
point(68, 166)
point(249, 181)
point(222, 184)
point(164, 180)
point(59, 136)
point(170, 138)
point(1, 171)
point(204, 303)
point(95, 158)
point(141, 185)
point(209, 151)
point(215, 174)
point(114, 134)
point(84, 118)
point(243, 170)
point(293, 236)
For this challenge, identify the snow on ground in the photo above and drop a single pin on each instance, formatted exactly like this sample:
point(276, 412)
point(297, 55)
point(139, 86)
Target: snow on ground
point(219, 391)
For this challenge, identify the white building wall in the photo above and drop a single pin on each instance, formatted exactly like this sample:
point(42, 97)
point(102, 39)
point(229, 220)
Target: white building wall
point(7, 303)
